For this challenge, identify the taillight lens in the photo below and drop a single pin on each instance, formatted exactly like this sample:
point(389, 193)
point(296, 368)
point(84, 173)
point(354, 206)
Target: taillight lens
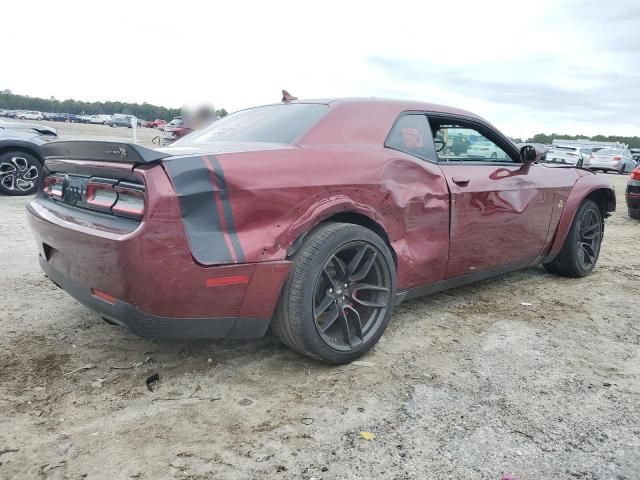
point(101, 194)
point(635, 174)
point(53, 186)
point(617, 157)
point(107, 195)
point(130, 201)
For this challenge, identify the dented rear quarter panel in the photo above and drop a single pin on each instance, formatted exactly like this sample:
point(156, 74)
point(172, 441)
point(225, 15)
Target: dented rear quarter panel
point(276, 196)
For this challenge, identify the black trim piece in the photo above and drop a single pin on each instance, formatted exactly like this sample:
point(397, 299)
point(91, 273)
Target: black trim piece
point(118, 152)
point(464, 280)
point(153, 326)
point(226, 206)
point(191, 179)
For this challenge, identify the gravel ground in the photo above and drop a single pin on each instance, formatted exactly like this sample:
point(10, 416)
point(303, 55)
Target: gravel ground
point(467, 384)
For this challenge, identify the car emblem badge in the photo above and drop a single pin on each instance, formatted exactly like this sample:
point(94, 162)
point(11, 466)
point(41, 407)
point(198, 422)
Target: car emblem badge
point(120, 152)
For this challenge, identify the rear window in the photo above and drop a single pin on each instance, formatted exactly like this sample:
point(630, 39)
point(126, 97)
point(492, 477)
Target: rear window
point(609, 151)
point(271, 123)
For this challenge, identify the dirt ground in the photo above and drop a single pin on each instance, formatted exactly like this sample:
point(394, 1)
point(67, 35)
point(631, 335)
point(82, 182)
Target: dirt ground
point(467, 384)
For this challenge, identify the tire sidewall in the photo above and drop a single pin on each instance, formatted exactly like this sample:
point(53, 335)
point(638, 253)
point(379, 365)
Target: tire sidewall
point(32, 161)
point(311, 335)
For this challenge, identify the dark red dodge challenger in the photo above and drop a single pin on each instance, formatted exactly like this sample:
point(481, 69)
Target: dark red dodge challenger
point(312, 217)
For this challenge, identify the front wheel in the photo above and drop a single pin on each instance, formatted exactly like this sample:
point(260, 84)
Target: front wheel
point(339, 296)
point(581, 248)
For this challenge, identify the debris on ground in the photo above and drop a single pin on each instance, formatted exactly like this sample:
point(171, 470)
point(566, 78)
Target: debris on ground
point(368, 435)
point(151, 381)
point(88, 366)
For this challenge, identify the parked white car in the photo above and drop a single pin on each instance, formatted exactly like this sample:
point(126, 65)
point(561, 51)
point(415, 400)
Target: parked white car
point(485, 151)
point(569, 155)
point(31, 115)
point(100, 119)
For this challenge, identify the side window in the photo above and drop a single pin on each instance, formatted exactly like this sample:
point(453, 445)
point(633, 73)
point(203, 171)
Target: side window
point(411, 134)
point(457, 143)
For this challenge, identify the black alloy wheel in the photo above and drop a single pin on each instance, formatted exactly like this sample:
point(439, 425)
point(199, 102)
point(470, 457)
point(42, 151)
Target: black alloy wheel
point(351, 296)
point(581, 248)
point(338, 298)
point(589, 238)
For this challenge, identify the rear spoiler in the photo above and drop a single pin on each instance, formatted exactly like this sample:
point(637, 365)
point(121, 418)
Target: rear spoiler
point(118, 152)
point(41, 129)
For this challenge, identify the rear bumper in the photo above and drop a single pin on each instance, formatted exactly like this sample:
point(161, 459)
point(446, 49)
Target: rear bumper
point(606, 165)
point(147, 268)
point(154, 326)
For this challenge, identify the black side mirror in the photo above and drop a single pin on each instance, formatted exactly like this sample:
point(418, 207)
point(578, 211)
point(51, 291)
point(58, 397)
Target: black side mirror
point(530, 154)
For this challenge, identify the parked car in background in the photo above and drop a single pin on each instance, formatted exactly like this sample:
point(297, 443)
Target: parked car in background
point(155, 123)
point(11, 113)
point(174, 130)
point(31, 115)
point(312, 218)
point(482, 149)
point(613, 160)
point(21, 159)
point(569, 155)
point(100, 119)
point(632, 194)
point(635, 154)
point(122, 120)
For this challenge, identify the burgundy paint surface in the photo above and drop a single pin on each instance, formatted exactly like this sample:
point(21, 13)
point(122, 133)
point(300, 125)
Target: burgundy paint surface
point(436, 228)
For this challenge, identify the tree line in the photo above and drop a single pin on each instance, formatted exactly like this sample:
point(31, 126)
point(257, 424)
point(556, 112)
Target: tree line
point(147, 111)
point(547, 139)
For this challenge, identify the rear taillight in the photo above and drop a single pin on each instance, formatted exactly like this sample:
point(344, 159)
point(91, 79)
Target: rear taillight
point(130, 201)
point(635, 174)
point(125, 199)
point(53, 186)
point(617, 157)
point(101, 194)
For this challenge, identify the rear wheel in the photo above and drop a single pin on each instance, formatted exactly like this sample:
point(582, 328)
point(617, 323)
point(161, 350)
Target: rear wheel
point(20, 173)
point(634, 213)
point(339, 296)
point(581, 248)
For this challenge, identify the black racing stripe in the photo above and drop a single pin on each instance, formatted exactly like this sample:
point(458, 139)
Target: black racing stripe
point(226, 207)
point(192, 181)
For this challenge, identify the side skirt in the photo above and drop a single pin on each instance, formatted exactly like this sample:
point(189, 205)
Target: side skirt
point(436, 287)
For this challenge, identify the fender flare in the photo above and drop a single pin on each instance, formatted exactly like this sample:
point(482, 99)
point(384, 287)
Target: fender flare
point(29, 147)
point(319, 212)
point(584, 187)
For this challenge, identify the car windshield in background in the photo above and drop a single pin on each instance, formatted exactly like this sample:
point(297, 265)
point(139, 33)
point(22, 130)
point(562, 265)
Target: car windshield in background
point(272, 123)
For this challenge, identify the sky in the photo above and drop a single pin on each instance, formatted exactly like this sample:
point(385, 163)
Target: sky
point(526, 66)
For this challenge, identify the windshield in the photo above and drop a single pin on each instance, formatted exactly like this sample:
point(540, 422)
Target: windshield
point(272, 123)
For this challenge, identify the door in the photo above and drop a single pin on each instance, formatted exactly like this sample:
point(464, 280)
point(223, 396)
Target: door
point(500, 208)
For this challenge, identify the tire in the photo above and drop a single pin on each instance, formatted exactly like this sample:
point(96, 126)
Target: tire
point(622, 170)
point(20, 173)
point(634, 213)
point(577, 258)
point(323, 258)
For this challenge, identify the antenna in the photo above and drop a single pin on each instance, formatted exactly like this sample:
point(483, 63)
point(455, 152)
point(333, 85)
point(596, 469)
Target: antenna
point(287, 97)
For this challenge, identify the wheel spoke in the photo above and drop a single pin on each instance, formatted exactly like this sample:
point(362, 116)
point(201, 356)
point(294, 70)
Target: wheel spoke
point(345, 326)
point(588, 252)
point(328, 277)
point(335, 314)
point(358, 322)
point(364, 270)
point(355, 261)
point(324, 304)
point(368, 303)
